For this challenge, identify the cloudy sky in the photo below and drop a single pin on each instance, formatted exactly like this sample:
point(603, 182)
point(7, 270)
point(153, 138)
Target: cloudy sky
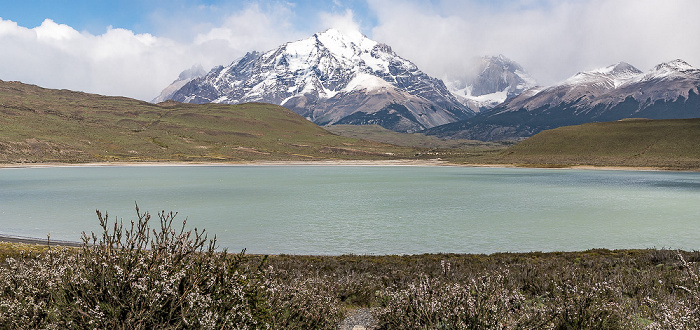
point(135, 48)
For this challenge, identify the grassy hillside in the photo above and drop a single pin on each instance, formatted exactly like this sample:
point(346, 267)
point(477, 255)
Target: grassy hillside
point(634, 142)
point(45, 125)
point(39, 125)
point(380, 134)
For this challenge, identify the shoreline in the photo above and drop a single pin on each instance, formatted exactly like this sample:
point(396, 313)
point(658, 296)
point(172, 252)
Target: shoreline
point(337, 162)
point(5, 238)
point(331, 162)
point(12, 239)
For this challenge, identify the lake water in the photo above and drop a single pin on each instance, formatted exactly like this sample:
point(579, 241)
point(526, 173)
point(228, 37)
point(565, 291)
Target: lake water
point(368, 209)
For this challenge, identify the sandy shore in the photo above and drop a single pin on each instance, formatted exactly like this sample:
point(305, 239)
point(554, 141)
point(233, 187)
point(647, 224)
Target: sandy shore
point(332, 162)
point(37, 241)
point(396, 162)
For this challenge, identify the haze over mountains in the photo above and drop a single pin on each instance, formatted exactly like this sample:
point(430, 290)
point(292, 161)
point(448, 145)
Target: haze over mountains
point(668, 91)
point(346, 78)
point(490, 81)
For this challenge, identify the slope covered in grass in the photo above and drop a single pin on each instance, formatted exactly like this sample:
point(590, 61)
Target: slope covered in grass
point(46, 125)
point(381, 134)
point(39, 125)
point(639, 142)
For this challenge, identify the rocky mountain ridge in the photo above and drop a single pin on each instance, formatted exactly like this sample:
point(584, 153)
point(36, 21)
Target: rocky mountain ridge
point(491, 81)
point(186, 76)
point(333, 78)
point(667, 91)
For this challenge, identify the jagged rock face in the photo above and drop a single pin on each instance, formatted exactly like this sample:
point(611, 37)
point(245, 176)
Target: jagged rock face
point(331, 76)
point(668, 91)
point(492, 81)
point(185, 76)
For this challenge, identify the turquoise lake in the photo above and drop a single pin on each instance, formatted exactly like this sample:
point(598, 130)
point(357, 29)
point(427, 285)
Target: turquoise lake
point(367, 209)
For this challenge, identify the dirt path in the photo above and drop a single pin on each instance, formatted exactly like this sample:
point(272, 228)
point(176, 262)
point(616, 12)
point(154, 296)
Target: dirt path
point(359, 319)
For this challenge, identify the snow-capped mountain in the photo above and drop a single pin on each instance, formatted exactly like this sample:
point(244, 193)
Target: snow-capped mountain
point(491, 81)
point(667, 91)
point(186, 76)
point(333, 78)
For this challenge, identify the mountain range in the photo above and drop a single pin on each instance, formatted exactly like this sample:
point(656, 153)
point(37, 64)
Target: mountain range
point(667, 91)
point(333, 78)
point(346, 78)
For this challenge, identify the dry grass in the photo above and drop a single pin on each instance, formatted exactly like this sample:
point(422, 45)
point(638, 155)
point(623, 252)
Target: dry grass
point(125, 279)
point(639, 143)
point(45, 125)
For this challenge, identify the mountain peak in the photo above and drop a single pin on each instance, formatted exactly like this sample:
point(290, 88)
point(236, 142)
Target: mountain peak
point(619, 69)
point(341, 42)
point(186, 76)
point(492, 80)
point(611, 76)
point(195, 71)
point(675, 65)
point(334, 76)
point(671, 70)
point(349, 34)
point(500, 59)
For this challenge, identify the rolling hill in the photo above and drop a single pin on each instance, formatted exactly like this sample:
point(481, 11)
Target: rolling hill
point(667, 143)
point(39, 125)
point(48, 125)
point(381, 134)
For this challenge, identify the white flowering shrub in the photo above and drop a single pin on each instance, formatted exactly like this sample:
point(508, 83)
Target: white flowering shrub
point(26, 287)
point(304, 303)
point(436, 303)
point(682, 310)
point(135, 278)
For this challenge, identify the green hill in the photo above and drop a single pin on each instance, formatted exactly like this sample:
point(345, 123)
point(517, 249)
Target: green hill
point(46, 125)
point(39, 125)
point(381, 134)
point(634, 142)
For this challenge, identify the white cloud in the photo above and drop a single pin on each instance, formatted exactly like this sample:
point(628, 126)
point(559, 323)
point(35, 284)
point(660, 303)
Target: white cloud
point(119, 62)
point(344, 22)
point(248, 30)
point(551, 39)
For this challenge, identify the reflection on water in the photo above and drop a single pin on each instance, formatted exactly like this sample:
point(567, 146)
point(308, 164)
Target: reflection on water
point(368, 210)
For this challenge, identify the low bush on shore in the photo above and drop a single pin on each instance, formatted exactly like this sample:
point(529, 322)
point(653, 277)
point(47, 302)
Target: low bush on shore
point(138, 277)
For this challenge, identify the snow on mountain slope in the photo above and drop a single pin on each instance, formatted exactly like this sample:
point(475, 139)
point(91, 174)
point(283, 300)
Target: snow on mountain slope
point(614, 84)
point(670, 90)
point(330, 76)
point(491, 81)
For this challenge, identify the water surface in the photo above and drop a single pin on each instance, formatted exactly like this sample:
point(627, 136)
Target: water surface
point(368, 209)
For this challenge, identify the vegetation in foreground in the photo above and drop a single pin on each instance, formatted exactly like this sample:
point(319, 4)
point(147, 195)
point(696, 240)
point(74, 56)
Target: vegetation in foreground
point(138, 277)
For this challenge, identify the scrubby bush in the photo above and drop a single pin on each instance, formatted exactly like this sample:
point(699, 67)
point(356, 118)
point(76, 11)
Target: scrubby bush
point(433, 303)
point(681, 310)
point(135, 278)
